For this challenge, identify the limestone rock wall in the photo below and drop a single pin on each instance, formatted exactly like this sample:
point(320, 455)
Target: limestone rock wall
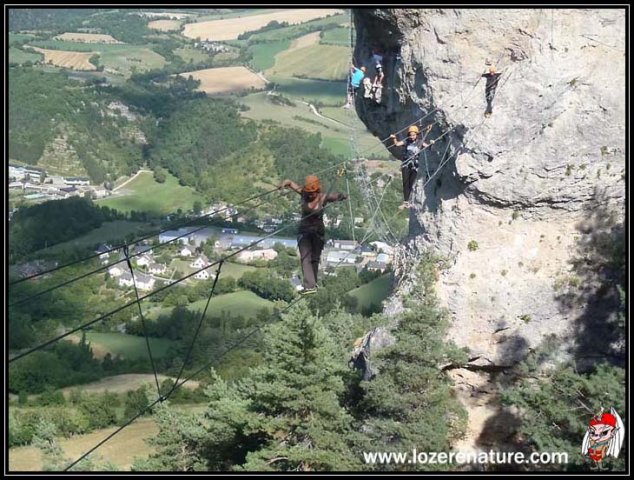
point(506, 194)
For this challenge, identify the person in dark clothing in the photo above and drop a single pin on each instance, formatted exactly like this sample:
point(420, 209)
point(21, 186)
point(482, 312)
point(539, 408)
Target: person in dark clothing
point(409, 163)
point(312, 231)
point(492, 82)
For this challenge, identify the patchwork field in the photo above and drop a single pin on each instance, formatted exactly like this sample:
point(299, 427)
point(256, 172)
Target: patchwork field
point(327, 62)
point(335, 136)
point(73, 60)
point(170, 15)
point(192, 54)
point(119, 59)
point(87, 38)
point(263, 54)
point(230, 28)
point(225, 80)
point(165, 25)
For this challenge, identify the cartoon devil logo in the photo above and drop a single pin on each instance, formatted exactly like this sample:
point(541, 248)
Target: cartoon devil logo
point(604, 437)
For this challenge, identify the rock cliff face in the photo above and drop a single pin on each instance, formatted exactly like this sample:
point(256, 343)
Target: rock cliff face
point(507, 199)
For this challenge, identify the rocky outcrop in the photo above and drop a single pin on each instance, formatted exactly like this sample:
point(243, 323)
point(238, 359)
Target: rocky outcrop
point(505, 195)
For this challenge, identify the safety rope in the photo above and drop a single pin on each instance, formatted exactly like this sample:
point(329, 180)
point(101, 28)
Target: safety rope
point(145, 334)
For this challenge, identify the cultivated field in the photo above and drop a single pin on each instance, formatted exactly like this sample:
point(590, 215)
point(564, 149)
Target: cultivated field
point(305, 41)
point(327, 62)
point(225, 80)
point(73, 60)
point(87, 38)
point(165, 25)
point(177, 16)
point(335, 137)
point(230, 28)
point(118, 59)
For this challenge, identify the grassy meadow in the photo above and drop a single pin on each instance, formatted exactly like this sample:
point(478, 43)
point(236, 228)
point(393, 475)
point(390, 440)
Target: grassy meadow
point(244, 303)
point(374, 292)
point(128, 346)
point(143, 194)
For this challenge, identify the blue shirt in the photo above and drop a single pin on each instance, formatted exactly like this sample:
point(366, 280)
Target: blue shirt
point(357, 77)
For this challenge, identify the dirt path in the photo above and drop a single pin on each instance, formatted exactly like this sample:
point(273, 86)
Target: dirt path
point(131, 178)
point(316, 112)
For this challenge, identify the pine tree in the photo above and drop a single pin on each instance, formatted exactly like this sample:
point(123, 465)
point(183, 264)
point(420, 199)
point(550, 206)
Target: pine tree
point(409, 404)
point(285, 416)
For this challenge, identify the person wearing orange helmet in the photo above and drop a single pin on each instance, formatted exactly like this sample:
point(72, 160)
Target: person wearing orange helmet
point(312, 231)
point(492, 77)
point(413, 144)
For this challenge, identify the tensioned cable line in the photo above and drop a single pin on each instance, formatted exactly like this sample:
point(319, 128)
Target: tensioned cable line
point(369, 230)
point(176, 386)
point(107, 266)
point(200, 322)
point(145, 334)
point(49, 342)
point(171, 227)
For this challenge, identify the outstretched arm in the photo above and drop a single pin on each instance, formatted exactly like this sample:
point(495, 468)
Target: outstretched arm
point(292, 185)
point(397, 143)
point(335, 197)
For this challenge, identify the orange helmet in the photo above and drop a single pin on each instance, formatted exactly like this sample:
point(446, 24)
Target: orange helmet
point(492, 69)
point(312, 184)
point(414, 129)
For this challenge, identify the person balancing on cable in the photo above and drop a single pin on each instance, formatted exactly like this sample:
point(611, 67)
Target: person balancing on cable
point(312, 231)
point(414, 144)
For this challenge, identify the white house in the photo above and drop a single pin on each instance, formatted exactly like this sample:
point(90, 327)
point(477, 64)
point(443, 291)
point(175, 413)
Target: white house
point(157, 268)
point(202, 275)
point(383, 247)
point(345, 244)
point(125, 280)
point(376, 266)
point(116, 271)
point(143, 261)
point(336, 257)
point(77, 181)
point(104, 253)
point(143, 282)
point(186, 252)
point(200, 262)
